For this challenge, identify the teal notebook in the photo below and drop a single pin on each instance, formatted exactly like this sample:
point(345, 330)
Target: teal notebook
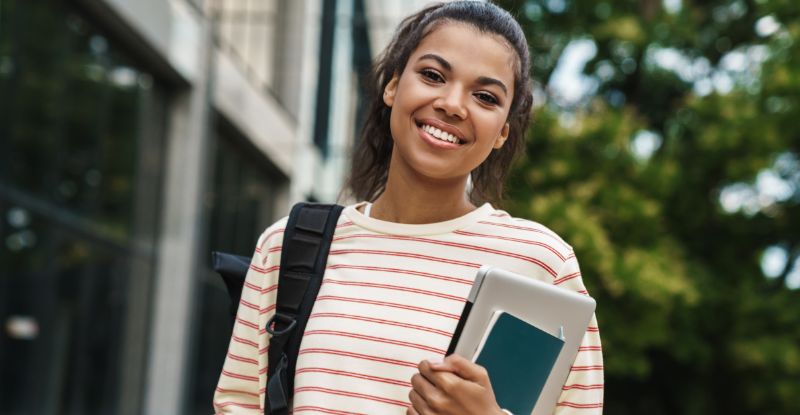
point(519, 358)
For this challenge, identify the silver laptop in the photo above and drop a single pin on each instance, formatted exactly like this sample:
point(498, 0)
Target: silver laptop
point(557, 311)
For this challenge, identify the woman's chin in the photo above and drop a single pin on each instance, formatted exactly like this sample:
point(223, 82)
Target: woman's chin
point(440, 173)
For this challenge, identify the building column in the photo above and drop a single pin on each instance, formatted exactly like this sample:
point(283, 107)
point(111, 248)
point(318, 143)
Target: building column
point(186, 172)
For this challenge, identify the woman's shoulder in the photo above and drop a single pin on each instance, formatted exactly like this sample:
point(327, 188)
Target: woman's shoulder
point(504, 225)
point(273, 235)
point(531, 239)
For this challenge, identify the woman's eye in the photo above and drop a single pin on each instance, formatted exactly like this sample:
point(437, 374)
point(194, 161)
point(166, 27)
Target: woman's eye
point(487, 98)
point(431, 75)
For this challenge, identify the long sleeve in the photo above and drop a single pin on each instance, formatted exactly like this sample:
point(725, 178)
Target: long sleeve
point(243, 376)
point(583, 390)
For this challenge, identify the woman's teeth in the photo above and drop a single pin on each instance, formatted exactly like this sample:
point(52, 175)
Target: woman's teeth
point(444, 136)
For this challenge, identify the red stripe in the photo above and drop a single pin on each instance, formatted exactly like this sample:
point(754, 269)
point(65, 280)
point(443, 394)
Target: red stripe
point(248, 304)
point(388, 304)
point(305, 408)
point(396, 288)
point(241, 405)
point(524, 241)
point(268, 309)
point(375, 339)
point(239, 376)
point(525, 228)
point(237, 392)
point(245, 341)
point(247, 323)
point(259, 289)
point(583, 387)
point(589, 348)
point(264, 270)
point(580, 405)
point(404, 271)
point(585, 368)
point(533, 260)
point(567, 278)
point(360, 356)
point(403, 254)
point(242, 359)
point(381, 321)
point(252, 286)
point(593, 329)
point(353, 375)
point(351, 395)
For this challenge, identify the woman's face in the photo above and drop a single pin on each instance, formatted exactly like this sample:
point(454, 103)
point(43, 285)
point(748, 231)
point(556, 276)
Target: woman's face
point(450, 104)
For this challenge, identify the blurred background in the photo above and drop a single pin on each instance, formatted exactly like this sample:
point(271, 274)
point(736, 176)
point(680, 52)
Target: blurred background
point(138, 135)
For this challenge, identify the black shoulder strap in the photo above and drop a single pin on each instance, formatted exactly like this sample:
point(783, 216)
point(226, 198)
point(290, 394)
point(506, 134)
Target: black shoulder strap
point(304, 254)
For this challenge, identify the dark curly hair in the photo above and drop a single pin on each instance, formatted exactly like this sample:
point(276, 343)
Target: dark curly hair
point(372, 153)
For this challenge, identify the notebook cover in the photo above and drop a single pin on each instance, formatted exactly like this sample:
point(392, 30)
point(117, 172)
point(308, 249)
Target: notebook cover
point(519, 358)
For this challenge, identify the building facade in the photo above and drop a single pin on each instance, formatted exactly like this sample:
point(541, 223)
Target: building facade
point(135, 137)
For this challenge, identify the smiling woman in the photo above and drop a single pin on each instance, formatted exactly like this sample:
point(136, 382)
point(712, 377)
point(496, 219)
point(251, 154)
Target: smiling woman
point(450, 101)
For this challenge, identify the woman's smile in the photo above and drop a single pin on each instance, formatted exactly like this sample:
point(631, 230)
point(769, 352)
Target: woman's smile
point(441, 134)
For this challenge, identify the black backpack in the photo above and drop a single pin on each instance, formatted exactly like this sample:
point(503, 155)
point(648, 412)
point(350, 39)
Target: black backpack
point(306, 242)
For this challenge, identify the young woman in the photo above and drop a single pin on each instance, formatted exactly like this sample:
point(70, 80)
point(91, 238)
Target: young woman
point(451, 102)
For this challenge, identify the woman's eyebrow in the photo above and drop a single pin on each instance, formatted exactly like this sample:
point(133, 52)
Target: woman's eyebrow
point(482, 80)
point(485, 80)
point(437, 58)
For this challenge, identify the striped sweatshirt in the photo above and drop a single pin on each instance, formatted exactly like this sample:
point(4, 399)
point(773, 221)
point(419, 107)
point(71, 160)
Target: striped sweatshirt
point(391, 296)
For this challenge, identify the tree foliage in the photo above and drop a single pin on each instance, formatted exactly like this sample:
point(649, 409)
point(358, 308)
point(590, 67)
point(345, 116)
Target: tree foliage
point(671, 176)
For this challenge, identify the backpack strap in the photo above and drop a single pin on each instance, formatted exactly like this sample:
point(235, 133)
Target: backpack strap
point(304, 254)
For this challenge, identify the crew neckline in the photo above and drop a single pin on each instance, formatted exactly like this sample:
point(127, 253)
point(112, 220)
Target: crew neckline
point(394, 228)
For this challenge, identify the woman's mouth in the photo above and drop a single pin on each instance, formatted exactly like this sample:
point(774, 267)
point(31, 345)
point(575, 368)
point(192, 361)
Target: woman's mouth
point(439, 134)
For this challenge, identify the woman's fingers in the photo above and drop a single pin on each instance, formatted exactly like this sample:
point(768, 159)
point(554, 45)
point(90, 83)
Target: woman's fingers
point(461, 367)
point(444, 380)
point(418, 404)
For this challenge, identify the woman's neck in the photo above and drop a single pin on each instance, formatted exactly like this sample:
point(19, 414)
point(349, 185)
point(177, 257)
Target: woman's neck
point(412, 199)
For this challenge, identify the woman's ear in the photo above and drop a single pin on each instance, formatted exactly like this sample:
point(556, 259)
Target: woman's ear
point(389, 91)
point(501, 139)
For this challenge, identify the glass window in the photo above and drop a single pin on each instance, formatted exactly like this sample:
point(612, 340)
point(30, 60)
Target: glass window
point(81, 143)
point(246, 31)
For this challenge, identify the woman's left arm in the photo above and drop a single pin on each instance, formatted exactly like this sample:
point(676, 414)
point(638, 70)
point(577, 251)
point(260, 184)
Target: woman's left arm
point(582, 393)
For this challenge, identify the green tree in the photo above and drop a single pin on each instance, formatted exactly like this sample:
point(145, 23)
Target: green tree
point(671, 176)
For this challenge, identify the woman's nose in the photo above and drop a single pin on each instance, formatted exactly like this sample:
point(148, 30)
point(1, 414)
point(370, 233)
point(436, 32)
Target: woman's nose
point(451, 102)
